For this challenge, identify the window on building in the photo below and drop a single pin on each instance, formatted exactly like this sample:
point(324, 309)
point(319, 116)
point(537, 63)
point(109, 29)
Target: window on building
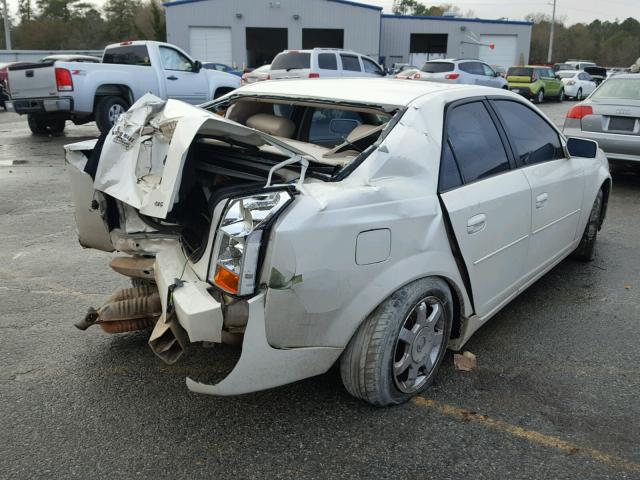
point(431, 43)
point(322, 38)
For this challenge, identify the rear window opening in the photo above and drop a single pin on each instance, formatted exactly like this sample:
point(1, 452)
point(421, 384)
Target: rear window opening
point(291, 61)
point(437, 67)
point(519, 72)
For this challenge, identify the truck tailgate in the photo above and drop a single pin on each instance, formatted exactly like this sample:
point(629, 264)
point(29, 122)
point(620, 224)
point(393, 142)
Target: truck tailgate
point(35, 80)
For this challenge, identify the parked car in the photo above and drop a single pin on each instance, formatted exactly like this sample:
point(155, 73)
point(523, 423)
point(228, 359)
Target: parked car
point(322, 63)
point(408, 74)
point(396, 68)
point(562, 66)
point(434, 207)
point(598, 74)
point(256, 75)
point(535, 83)
point(221, 67)
point(580, 64)
point(577, 84)
point(611, 116)
point(466, 71)
point(70, 57)
point(51, 93)
point(4, 96)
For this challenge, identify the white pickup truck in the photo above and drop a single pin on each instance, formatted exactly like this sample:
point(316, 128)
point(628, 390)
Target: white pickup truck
point(50, 93)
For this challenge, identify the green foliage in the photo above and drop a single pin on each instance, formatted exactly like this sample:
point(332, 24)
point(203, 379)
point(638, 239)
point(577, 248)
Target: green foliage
point(78, 24)
point(614, 44)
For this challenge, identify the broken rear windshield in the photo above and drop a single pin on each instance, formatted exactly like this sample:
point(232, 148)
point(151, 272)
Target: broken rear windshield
point(291, 61)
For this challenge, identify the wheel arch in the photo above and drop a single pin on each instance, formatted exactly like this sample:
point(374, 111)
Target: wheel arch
point(115, 90)
point(606, 191)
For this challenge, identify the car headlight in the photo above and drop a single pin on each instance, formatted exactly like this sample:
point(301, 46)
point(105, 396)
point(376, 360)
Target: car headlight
point(239, 238)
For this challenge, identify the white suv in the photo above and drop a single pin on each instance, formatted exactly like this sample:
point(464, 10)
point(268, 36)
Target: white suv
point(323, 62)
point(467, 71)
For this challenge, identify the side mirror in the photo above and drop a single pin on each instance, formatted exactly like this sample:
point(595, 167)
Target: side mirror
point(581, 147)
point(197, 66)
point(342, 126)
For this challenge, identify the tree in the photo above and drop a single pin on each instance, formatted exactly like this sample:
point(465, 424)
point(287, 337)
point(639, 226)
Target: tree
point(25, 11)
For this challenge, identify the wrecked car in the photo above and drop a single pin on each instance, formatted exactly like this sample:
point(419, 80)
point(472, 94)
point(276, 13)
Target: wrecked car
point(366, 222)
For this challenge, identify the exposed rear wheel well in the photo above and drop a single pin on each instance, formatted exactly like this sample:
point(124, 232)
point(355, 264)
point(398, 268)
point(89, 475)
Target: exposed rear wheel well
point(606, 190)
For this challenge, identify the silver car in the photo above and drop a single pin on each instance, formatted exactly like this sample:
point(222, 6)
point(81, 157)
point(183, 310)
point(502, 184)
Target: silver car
point(611, 116)
point(466, 71)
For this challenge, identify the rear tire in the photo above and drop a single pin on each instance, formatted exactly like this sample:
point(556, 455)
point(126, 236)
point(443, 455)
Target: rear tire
point(561, 96)
point(396, 352)
point(539, 98)
point(108, 110)
point(41, 125)
point(586, 250)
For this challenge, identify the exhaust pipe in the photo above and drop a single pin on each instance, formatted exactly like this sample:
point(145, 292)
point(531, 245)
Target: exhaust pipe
point(127, 310)
point(168, 339)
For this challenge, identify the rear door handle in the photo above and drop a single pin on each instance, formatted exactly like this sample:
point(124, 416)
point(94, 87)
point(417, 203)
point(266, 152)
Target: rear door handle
point(172, 78)
point(476, 224)
point(541, 200)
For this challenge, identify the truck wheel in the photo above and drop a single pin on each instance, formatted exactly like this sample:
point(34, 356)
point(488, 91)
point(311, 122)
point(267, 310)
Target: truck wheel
point(40, 125)
point(397, 350)
point(586, 250)
point(108, 110)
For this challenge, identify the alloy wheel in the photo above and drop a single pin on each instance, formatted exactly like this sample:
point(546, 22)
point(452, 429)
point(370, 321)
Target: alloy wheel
point(419, 343)
point(114, 112)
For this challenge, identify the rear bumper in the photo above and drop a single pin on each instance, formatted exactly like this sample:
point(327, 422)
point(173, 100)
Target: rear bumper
point(524, 91)
point(40, 105)
point(618, 148)
point(260, 365)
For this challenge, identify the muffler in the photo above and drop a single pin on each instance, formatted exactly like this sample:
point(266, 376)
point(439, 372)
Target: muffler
point(168, 339)
point(127, 310)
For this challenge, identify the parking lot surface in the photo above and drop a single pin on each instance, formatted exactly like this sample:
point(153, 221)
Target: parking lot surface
point(554, 395)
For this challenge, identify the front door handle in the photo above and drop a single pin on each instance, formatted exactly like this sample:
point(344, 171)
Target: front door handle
point(541, 200)
point(172, 78)
point(476, 224)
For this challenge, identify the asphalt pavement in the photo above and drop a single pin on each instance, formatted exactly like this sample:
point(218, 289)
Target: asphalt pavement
point(554, 395)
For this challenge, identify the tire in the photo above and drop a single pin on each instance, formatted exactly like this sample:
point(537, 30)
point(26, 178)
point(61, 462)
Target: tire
point(579, 94)
point(539, 98)
point(108, 110)
point(41, 125)
point(561, 96)
point(586, 250)
point(378, 362)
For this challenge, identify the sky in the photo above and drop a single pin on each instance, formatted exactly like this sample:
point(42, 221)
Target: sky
point(571, 11)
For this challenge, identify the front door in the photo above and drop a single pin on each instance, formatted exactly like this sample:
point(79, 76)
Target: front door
point(488, 203)
point(557, 183)
point(182, 83)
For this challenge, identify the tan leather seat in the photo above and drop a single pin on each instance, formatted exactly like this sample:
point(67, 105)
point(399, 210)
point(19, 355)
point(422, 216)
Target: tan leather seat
point(276, 126)
point(360, 131)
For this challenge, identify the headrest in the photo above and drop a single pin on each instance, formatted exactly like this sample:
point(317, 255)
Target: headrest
point(277, 126)
point(360, 131)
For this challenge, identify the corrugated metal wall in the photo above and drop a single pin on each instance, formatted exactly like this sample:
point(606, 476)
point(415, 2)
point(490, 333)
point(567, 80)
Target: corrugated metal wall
point(361, 25)
point(396, 34)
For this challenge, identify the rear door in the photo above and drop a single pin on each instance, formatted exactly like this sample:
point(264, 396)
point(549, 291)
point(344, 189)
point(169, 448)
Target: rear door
point(327, 64)
point(181, 81)
point(557, 182)
point(552, 85)
point(488, 203)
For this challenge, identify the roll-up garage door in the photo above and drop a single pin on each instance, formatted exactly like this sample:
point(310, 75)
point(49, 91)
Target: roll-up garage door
point(505, 52)
point(210, 44)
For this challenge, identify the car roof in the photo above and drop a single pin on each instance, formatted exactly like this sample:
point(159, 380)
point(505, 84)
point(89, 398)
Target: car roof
point(356, 90)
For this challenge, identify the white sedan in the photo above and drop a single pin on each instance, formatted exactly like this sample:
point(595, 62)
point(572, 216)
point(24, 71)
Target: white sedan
point(577, 84)
point(368, 222)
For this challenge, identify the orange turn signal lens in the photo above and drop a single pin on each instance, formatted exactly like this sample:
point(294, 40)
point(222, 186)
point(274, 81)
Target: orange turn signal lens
point(226, 279)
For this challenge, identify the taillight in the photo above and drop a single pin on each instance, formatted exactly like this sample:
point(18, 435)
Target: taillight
point(314, 75)
point(268, 77)
point(579, 111)
point(451, 76)
point(64, 80)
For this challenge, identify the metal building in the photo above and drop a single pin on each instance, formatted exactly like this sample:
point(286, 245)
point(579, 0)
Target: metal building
point(406, 39)
point(252, 32)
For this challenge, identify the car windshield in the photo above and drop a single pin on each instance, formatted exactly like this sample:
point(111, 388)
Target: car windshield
point(519, 72)
point(566, 74)
point(619, 88)
point(437, 67)
point(291, 61)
